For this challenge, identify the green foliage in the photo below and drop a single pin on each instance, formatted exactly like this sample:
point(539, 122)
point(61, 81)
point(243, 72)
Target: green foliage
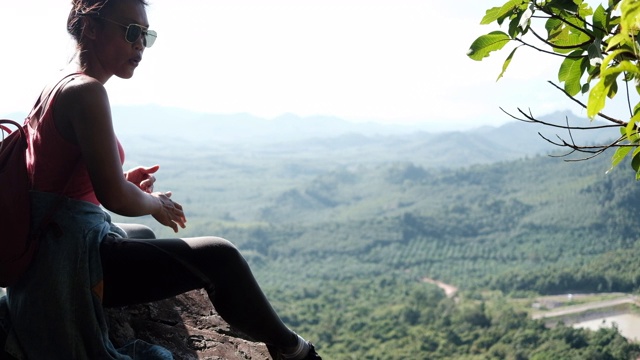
point(485, 44)
point(393, 318)
point(599, 47)
point(615, 271)
point(342, 248)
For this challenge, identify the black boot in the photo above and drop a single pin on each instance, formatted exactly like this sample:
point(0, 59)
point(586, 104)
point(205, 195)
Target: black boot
point(275, 355)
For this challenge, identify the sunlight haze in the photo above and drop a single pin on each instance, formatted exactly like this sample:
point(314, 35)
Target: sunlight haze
point(392, 62)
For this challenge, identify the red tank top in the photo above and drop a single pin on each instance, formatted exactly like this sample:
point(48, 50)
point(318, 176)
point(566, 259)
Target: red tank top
point(56, 165)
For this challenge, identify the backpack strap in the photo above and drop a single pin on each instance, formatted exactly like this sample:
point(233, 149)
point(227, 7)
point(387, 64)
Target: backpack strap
point(4, 129)
point(40, 109)
point(43, 104)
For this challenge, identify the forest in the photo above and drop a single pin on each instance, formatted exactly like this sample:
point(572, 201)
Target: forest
point(342, 241)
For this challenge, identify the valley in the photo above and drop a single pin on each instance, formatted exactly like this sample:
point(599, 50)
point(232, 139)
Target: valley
point(384, 244)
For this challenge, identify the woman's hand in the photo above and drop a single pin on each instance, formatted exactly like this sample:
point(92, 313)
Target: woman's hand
point(169, 213)
point(142, 177)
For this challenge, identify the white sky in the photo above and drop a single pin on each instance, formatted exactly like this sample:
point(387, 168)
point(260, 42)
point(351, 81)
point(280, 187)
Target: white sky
point(392, 61)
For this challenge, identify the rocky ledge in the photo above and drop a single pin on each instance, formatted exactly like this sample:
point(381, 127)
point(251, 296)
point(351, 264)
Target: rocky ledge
point(187, 325)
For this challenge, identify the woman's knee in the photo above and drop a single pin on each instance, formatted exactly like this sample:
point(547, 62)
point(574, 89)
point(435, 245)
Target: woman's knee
point(219, 244)
point(219, 249)
point(137, 231)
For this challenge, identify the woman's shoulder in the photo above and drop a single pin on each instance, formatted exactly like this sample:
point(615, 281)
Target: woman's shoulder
point(82, 85)
point(82, 90)
point(81, 98)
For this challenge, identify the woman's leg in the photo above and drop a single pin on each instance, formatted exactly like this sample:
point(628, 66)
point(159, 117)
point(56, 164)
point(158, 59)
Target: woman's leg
point(137, 231)
point(137, 271)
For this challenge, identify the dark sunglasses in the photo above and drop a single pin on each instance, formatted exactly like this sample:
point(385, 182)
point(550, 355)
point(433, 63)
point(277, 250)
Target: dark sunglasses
point(134, 31)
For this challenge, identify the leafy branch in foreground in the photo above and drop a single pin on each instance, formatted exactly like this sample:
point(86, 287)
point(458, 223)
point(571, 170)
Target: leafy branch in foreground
point(600, 51)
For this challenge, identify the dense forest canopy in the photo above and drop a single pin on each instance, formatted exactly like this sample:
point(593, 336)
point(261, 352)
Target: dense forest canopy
point(343, 247)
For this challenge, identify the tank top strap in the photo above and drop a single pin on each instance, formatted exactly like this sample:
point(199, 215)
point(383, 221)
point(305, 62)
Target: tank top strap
point(43, 105)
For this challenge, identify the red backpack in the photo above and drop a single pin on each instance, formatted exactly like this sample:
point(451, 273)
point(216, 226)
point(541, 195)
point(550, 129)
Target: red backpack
point(17, 244)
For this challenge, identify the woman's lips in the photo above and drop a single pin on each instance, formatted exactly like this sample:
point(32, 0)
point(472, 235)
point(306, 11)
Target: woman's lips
point(135, 61)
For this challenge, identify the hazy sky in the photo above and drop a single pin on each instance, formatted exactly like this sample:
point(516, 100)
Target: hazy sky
point(401, 61)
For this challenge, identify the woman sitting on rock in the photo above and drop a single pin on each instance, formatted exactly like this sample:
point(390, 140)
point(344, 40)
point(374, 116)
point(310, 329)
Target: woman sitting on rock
point(84, 261)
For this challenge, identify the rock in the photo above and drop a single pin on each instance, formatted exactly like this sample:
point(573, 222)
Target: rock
point(187, 325)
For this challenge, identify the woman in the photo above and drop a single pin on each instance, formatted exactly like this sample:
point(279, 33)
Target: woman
point(85, 262)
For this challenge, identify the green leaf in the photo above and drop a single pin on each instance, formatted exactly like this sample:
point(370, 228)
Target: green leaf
point(485, 44)
point(558, 5)
point(613, 90)
point(617, 40)
point(600, 16)
point(635, 161)
point(490, 16)
point(600, 22)
point(599, 93)
point(618, 156)
point(607, 85)
point(506, 63)
point(514, 30)
point(630, 10)
point(610, 59)
point(636, 109)
point(563, 35)
point(571, 71)
point(594, 73)
point(584, 9)
point(624, 66)
point(633, 137)
point(597, 97)
point(630, 129)
point(501, 12)
point(585, 88)
point(594, 50)
point(553, 26)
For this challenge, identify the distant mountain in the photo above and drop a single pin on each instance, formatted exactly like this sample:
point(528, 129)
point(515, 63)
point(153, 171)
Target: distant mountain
point(152, 120)
point(289, 135)
point(295, 136)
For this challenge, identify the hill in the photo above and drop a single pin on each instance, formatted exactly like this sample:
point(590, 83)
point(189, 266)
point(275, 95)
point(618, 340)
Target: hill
point(341, 223)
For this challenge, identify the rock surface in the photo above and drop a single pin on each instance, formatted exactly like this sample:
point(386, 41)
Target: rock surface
point(187, 325)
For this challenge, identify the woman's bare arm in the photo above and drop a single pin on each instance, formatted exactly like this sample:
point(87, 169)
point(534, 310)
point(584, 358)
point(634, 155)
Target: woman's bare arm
point(83, 110)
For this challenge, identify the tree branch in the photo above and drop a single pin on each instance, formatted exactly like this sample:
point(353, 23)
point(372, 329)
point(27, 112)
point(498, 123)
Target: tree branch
point(530, 119)
point(546, 42)
point(545, 51)
point(604, 116)
point(593, 150)
point(568, 23)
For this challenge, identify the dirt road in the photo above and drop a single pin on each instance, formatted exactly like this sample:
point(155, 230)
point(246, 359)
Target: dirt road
point(449, 290)
point(584, 307)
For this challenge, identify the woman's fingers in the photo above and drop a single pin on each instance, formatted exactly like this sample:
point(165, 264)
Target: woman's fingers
point(147, 184)
point(175, 214)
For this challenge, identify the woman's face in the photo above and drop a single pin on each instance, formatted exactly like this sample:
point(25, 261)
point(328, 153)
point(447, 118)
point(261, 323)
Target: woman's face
point(116, 56)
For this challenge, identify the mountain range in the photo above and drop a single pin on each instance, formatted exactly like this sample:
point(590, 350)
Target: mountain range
point(292, 135)
point(144, 127)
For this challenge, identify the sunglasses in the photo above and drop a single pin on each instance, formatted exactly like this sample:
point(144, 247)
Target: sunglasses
point(135, 31)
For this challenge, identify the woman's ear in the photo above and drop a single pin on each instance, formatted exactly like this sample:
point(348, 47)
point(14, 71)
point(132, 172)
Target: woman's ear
point(89, 27)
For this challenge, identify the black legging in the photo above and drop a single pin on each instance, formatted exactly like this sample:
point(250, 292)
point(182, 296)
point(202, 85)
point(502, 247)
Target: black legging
point(137, 271)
